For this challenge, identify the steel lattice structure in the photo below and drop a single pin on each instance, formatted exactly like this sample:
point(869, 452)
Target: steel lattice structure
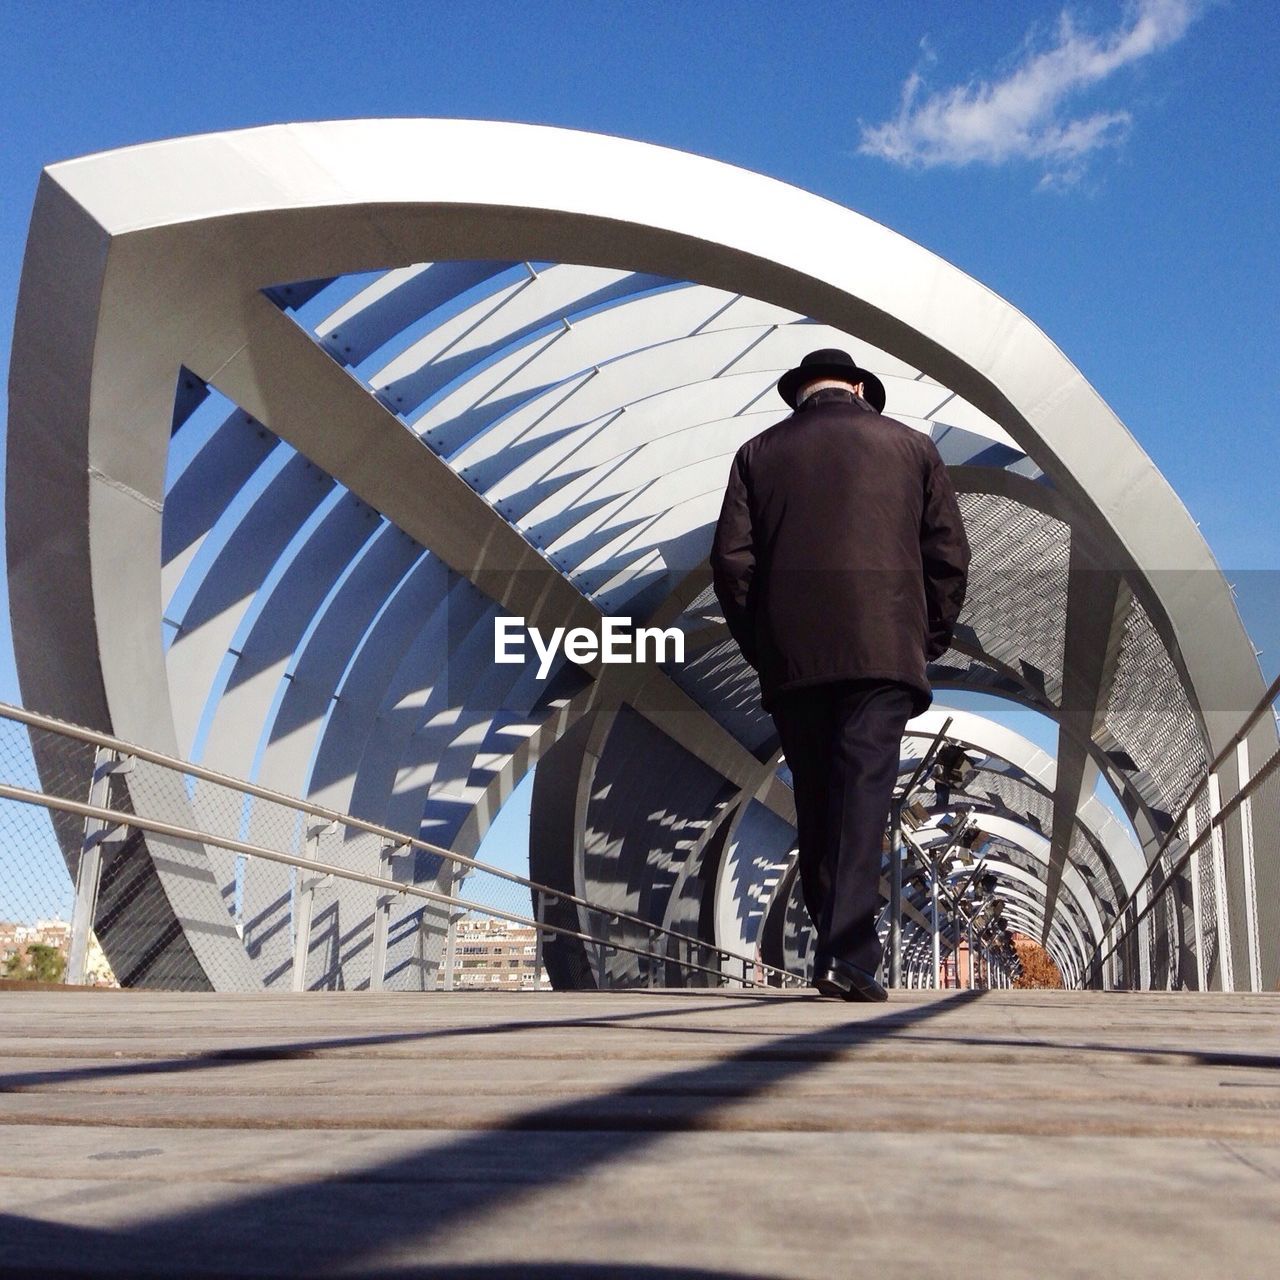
point(296, 412)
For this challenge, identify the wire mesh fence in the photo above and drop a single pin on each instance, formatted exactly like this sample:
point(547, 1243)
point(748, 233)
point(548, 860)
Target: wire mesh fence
point(121, 866)
point(124, 867)
point(37, 888)
point(1215, 878)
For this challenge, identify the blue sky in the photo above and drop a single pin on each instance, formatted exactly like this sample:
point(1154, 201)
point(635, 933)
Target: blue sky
point(1150, 260)
point(1110, 168)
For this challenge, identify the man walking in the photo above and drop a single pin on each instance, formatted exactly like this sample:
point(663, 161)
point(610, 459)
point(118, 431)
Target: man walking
point(841, 562)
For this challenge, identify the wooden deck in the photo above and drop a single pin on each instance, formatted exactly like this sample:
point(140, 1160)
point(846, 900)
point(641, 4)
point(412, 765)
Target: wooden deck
point(639, 1134)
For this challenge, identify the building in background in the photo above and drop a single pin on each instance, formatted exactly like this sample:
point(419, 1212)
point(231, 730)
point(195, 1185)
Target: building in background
point(18, 941)
point(497, 956)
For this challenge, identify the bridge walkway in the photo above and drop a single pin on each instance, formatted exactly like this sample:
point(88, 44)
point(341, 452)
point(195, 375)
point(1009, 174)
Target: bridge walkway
point(635, 1134)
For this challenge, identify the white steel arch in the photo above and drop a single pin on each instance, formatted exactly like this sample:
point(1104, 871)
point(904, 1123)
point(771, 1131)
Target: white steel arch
point(691, 285)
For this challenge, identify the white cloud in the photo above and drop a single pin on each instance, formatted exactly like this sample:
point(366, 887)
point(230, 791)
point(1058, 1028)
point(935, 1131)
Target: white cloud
point(1025, 114)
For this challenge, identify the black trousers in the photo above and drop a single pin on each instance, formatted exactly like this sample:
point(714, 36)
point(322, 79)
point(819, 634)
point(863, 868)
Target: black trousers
point(842, 742)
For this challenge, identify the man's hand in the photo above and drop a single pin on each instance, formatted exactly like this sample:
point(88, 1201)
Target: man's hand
point(733, 559)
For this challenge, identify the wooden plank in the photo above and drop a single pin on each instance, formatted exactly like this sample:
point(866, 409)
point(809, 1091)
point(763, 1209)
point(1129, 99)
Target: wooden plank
point(750, 1134)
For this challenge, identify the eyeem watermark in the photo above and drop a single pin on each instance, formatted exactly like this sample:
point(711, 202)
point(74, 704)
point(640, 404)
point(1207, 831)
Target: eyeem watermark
point(618, 641)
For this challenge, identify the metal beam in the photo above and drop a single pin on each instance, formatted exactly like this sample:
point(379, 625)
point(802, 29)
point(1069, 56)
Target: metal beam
point(1097, 604)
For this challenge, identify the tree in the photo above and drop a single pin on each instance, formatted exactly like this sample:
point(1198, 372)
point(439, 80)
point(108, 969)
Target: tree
point(39, 962)
point(1038, 970)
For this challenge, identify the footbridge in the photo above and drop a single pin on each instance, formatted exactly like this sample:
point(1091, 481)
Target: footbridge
point(298, 416)
point(297, 413)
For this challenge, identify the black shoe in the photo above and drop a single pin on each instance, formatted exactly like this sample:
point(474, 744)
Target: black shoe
point(846, 981)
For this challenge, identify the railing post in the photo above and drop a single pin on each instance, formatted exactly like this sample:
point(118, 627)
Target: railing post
point(936, 937)
point(1133, 958)
point(450, 960)
point(601, 949)
point(307, 886)
point(540, 915)
point(1225, 967)
point(1144, 933)
point(426, 981)
point(1250, 875)
point(97, 836)
point(1197, 908)
point(382, 917)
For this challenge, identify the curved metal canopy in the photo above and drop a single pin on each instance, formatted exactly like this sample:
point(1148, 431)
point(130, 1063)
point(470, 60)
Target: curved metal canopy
point(328, 412)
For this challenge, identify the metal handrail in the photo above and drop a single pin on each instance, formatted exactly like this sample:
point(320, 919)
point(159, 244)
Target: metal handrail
point(1234, 741)
point(117, 817)
point(388, 834)
point(1218, 820)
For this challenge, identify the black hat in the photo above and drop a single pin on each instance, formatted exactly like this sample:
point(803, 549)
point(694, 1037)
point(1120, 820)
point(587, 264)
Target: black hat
point(831, 363)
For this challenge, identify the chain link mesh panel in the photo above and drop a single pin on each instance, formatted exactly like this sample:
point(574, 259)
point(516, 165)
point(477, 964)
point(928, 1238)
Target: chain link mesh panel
point(179, 909)
point(1017, 598)
point(1150, 718)
point(40, 855)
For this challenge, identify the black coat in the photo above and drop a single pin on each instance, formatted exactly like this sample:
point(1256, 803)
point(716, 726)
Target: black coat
point(840, 552)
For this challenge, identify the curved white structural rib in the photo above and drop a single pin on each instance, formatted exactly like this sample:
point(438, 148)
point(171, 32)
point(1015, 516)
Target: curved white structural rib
point(296, 411)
